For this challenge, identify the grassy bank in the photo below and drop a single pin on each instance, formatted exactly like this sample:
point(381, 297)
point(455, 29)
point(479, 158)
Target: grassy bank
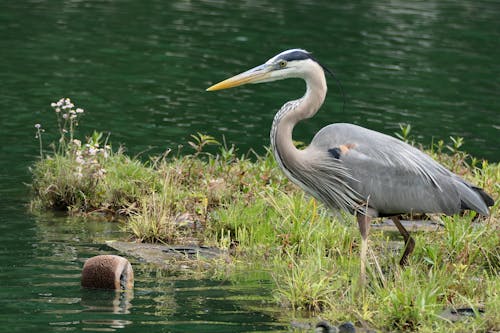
point(244, 202)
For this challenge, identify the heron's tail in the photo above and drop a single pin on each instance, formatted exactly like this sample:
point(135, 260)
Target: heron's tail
point(474, 198)
point(488, 200)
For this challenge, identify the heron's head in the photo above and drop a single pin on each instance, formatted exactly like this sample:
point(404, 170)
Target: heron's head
point(294, 63)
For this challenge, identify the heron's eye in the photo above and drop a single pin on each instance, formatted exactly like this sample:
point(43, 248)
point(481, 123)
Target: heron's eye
point(282, 63)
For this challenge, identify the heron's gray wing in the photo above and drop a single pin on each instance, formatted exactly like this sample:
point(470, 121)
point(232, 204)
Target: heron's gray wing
point(394, 177)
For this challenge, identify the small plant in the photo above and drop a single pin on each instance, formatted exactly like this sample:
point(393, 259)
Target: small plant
point(411, 301)
point(200, 141)
point(67, 120)
point(305, 284)
point(155, 222)
point(404, 135)
point(38, 135)
point(439, 146)
point(457, 143)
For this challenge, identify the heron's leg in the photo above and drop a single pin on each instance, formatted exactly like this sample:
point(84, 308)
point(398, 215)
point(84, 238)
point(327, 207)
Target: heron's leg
point(409, 241)
point(364, 228)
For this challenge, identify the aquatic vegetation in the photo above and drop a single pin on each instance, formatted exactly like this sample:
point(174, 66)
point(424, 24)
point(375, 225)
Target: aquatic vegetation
point(243, 203)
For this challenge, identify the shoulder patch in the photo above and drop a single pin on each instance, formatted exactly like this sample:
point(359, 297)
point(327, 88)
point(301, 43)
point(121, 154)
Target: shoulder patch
point(335, 152)
point(340, 150)
point(345, 148)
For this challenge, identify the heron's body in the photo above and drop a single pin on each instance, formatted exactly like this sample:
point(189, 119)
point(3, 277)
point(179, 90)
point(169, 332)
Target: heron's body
point(390, 183)
point(352, 168)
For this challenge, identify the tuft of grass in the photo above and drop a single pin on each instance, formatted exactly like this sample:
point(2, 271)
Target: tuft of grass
point(244, 203)
point(91, 179)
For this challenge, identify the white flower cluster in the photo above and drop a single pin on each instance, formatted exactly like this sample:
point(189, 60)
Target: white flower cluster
point(87, 158)
point(67, 115)
point(65, 104)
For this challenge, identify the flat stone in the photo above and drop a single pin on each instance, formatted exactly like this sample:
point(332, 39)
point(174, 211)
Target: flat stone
point(410, 225)
point(172, 257)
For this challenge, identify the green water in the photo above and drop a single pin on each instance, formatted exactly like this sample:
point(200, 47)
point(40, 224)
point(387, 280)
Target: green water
point(140, 68)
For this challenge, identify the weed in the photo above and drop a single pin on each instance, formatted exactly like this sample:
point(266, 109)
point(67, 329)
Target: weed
point(38, 135)
point(404, 135)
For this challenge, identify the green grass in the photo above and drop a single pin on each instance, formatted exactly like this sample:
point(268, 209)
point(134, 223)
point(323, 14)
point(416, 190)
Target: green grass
point(245, 203)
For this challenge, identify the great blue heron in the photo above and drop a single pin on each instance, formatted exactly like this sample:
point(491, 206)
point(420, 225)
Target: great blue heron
point(352, 168)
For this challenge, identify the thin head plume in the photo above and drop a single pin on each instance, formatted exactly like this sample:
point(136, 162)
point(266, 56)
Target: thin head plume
point(339, 84)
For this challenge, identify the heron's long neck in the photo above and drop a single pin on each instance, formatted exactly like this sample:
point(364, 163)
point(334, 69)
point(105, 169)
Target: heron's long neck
point(293, 112)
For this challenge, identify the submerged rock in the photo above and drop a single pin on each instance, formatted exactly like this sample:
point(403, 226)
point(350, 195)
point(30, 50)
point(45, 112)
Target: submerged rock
point(347, 328)
point(457, 314)
point(325, 327)
point(172, 257)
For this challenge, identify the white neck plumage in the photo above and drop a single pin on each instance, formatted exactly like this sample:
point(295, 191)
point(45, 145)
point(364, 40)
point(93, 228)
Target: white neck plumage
point(294, 111)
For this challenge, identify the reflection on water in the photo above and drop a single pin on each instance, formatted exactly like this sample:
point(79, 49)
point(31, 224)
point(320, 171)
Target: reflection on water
point(101, 303)
point(110, 301)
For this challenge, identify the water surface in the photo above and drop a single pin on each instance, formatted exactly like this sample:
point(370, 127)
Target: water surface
point(140, 70)
point(40, 288)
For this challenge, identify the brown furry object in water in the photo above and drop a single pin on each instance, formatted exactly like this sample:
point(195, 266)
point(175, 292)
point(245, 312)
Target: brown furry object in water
point(108, 272)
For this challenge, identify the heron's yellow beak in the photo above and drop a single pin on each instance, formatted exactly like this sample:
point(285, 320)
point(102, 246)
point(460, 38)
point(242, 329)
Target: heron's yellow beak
point(255, 75)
